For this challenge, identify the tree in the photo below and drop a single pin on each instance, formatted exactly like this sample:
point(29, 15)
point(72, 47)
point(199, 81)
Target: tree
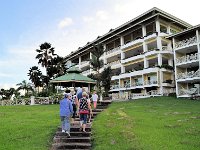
point(35, 76)
point(24, 86)
point(97, 63)
point(56, 67)
point(106, 79)
point(45, 56)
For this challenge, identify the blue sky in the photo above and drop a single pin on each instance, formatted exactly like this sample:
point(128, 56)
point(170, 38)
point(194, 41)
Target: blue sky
point(67, 25)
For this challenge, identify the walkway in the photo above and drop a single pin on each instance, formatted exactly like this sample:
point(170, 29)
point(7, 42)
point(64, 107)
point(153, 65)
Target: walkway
point(78, 140)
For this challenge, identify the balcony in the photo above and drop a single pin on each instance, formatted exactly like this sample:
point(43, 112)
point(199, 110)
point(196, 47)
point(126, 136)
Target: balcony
point(114, 64)
point(166, 49)
point(150, 82)
point(187, 58)
point(186, 42)
point(189, 75)
point(150, 35)
point(117, 49)
point(131, 43)
point(139, 56)
point(145, 95)
point(127, 85)
point(114, 87)
point(190, 91)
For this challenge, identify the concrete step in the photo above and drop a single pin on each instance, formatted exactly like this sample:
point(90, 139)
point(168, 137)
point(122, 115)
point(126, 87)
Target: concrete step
point(72, 139)
point(64, 146)
point(76, 133)
point(76, 128)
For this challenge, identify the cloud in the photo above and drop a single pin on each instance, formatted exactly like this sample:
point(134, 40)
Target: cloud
point(102, 15)
point(5, 75)
point(87, 19)
point(65, 22)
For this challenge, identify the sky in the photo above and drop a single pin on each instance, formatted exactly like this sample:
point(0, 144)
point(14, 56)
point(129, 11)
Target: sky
point(67, 25)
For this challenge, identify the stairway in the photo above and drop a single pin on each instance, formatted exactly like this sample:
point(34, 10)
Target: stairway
point(78, 140)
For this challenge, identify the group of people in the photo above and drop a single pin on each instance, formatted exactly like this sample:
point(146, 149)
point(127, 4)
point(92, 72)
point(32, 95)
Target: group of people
point(76, 104)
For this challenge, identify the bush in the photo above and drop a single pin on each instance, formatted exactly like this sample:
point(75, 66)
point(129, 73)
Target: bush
point(172, 94)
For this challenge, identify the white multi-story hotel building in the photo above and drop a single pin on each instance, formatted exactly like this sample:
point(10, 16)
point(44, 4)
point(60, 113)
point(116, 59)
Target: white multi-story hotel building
point(140, 55)
point(186, 46)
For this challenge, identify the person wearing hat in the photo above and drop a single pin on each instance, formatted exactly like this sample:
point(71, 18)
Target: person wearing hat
point(66, 110)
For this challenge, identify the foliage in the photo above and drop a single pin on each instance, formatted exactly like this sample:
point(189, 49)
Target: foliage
point(106, 79)
point(35, 76)
point(53, 63)
point(25, 86)
point(28, 127)
point(45, 56)
point(6, 94)
point(148, 124)
point(97, 63)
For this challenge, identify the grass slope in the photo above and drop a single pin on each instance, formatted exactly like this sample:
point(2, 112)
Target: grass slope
point(161, 123)
point(27, 127)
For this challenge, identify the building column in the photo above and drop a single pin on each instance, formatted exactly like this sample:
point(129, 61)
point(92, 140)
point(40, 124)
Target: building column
point(144, 30)
point(146, 63)
point(170, 61)
point(145, 48)
point(90, 64)
point(122, 55)
point(121, 40)
point(198, 40)
point(122, 69)
point(104, 54)
point(159, 59)
point(168, 29)
point(157, 26)
point(79, 62)
point(159, 43)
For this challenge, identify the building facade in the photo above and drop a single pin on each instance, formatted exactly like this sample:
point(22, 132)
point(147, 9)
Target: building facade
point(187, 61)
point(140, 55)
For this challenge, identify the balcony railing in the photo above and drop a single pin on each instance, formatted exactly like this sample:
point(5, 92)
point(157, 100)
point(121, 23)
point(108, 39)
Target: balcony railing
point(150, 93)
point(137, 84)
point(113, 63)
point(186, 42)
point(150, 82)
point(114, 86)
point(187, 58)
point(191, 74)
point(113, 50)
point(166, 48)
point(127, 85)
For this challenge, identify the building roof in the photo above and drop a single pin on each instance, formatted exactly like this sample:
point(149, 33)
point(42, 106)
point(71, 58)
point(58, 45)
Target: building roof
point(143, 17)
point(184, 31)
point(73, 75)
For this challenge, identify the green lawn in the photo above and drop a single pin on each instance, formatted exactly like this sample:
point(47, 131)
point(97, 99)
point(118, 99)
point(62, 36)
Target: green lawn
point(28, 127)
point(161, 123)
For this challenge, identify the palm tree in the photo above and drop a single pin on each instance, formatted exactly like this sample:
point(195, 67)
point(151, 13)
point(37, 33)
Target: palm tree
point(57, 67)
point(35, 76)
point(106, 79)
point(97, 63)
point(24, 86)
point(45, 56)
